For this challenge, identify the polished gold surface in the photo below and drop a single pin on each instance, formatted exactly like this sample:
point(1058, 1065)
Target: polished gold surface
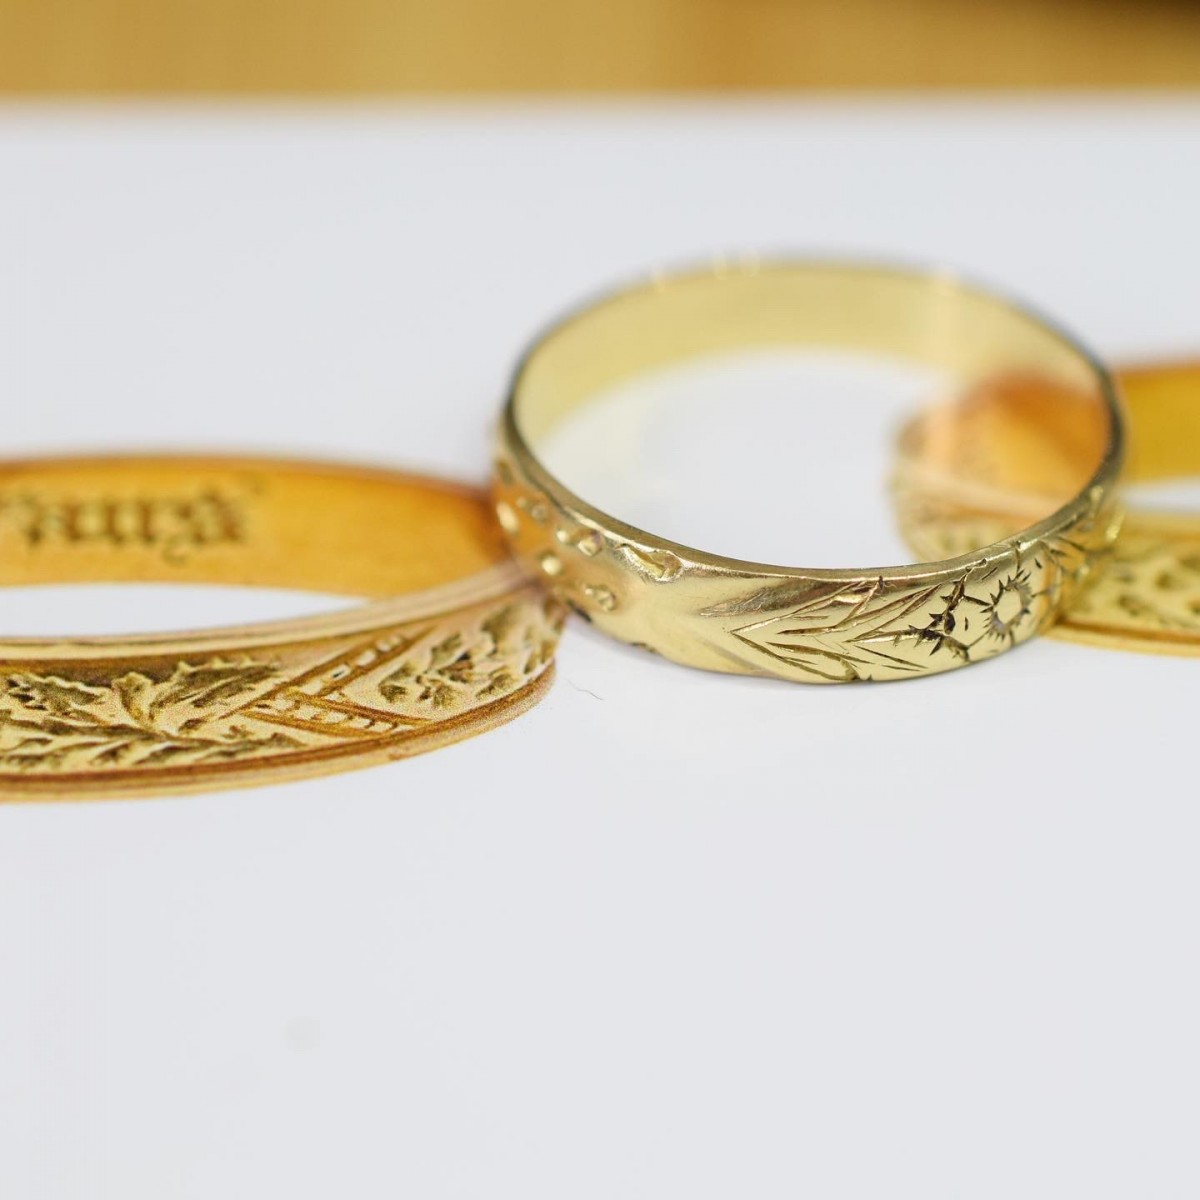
point(453, 640)
point(291, 47)
point(1148, 596)
point(724, 614)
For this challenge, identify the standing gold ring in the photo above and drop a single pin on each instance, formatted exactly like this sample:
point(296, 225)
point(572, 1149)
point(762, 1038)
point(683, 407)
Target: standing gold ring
point(456, 641)
point(731, 615)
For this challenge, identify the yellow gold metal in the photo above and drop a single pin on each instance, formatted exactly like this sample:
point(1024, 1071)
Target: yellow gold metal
point(730, 615)
point(1148, 596)
point(456, 640)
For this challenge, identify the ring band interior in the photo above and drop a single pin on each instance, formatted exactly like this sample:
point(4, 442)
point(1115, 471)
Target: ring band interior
point(930, 320)
point(255, 522)
point(1165, 410)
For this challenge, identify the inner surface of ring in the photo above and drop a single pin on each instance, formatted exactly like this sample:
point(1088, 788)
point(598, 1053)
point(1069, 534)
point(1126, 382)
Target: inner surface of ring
point(974, 339)
point(247, 521)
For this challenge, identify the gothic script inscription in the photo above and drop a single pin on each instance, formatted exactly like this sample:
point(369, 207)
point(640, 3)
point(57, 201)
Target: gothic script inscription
point(176, 526)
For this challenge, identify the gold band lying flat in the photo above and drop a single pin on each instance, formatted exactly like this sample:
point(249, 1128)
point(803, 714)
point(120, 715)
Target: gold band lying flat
point(462, 643)
point(1148, 596)
point(725, 614)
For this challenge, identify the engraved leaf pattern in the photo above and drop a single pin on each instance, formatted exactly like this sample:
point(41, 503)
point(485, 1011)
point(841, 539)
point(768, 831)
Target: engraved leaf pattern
point(46, 720)
point(879, 629)
point(455, 672)
point(224, 709)
point(841, 634)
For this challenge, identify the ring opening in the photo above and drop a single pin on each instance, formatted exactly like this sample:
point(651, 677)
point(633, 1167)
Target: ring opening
point(1008, 405)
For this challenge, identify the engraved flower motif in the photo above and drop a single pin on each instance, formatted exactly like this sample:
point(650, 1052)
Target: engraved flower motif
point(1007, 607)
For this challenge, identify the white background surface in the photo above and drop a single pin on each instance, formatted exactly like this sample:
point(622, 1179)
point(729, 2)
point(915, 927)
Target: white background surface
point(669, 935)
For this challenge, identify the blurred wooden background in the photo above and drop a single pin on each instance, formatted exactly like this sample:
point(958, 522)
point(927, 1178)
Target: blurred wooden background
point(439, 46)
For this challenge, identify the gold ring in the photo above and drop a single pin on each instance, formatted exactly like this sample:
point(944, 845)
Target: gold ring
point(1148, 596)
point(726, 614)
point(456, 640)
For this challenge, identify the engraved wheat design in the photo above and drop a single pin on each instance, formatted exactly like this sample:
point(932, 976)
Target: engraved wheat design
point(222, 710)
